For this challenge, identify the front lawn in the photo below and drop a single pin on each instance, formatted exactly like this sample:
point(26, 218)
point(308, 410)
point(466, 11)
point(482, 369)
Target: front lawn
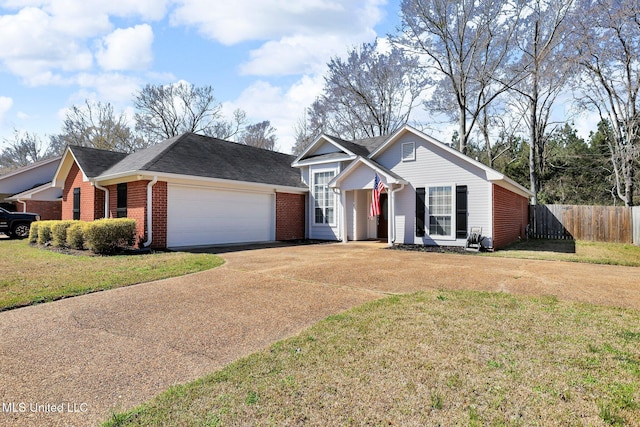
point(573, 250)
point(432, 358)
point(30, 275)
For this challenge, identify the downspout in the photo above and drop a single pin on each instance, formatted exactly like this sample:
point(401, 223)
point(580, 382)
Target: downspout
point(106, 198)
point(150, 211)
point(393, 215)
point(24, 205)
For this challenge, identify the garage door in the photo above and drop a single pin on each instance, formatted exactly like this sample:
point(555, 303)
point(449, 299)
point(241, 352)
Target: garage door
point(204, 216)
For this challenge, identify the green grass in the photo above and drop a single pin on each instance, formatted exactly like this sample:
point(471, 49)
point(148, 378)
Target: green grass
point(576, 251)
point(433, 358)
point(30, 275)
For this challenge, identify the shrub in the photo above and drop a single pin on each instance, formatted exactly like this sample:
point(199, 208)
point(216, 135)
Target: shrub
point(33, 232)
point(108, 236)
point(44, 232)
point(59, 232)
point(75, 235)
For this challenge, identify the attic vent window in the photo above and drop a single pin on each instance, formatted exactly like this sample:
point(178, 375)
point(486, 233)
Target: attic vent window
point(408, 151)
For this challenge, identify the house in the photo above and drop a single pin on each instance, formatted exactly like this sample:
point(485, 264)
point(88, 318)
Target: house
point(28, 189)
point(193, 190)
point(433, 193)
point(189, 190)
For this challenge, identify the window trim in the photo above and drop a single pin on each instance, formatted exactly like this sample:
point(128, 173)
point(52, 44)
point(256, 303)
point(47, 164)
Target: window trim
point(412, 156)
point(333, 196)
point(452, 214)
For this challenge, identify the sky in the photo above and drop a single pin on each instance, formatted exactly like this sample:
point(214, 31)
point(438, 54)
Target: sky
point(266, 57)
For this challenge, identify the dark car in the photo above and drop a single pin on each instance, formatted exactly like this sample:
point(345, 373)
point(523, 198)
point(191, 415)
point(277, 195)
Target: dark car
point(16, 224)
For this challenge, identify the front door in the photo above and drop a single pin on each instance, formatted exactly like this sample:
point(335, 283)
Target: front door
point(383, 218)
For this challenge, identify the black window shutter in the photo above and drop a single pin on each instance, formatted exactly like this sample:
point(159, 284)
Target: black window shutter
point(76, 203)
point(461, 211)
point(121, 208)
point(420, 211)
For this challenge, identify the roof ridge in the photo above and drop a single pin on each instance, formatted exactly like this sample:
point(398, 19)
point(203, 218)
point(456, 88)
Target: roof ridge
point(170, 145)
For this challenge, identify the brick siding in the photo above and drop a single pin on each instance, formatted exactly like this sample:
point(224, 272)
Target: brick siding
point(510, 216)
point(48, 210)
point(91, 199)
point(159, 215)
point(136, 209)
point(290, 217)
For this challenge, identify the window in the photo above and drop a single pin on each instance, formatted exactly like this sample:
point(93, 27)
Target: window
point(324, 198)
point(121, 207)
point(440, 211)
point(76, 203)
point(408, 151)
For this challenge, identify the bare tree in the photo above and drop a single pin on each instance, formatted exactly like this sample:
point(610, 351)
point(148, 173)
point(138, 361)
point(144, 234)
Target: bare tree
point(167, 111)
point(368, 94)
point(466, 44)
point(305, 134)
point(608, 53)
point(541, 58)
point(24, 149)
point(261, 135)
point(96, 125)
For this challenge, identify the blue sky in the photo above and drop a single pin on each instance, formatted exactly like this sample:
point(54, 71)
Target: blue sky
point(267, 57)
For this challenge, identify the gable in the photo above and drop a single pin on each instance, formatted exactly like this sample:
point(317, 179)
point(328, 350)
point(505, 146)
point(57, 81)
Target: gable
point(432, 161)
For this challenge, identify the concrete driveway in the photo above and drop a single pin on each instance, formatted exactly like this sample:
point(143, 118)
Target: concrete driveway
point(90, 355)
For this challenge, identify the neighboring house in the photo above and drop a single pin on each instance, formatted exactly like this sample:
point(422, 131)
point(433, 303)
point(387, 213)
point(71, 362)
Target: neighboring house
point(189, 190)
point(434, 194)
point(29, 189)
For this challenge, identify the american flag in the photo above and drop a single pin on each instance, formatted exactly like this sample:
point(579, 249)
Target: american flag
point(378, 186)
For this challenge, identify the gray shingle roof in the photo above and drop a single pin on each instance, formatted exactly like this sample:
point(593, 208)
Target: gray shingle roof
point(93, 161)
point(361, 147)
point(197, 155)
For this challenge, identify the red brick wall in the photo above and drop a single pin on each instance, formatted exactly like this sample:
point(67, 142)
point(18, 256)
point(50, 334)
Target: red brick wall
point(47, 210)
point(290, 217)
point(159, 215)
point(91, 199)
point(510, 216)
point(136, 209)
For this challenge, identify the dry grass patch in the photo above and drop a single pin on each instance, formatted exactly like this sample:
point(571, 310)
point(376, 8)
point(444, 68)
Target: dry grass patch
point(570, 250)
point(30, 275)
point(436, 358)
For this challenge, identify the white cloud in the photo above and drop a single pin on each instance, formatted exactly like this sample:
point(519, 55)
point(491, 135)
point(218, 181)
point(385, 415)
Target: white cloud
point(5, 105)
point(127, 49)
point(282, 106)
point(299, 36)
point(45, 37)
point(295, 55)
point(107, 87)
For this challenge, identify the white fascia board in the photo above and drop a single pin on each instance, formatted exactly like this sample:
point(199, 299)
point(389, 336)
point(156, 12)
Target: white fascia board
point(390, 179)
point(296, 162)
point(30, 193)
point(64, 167)
point(513, 186)
point(312, 161)
point(195, 180)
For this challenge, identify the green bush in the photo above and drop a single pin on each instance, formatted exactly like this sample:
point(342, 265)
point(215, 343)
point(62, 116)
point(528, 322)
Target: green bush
point(59, 232)
point(33, 232)
point(75, 235)
point(44, 232)
point(108, 236)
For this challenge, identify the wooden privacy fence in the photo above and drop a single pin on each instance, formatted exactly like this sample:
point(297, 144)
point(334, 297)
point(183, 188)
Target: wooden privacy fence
point(594, 223)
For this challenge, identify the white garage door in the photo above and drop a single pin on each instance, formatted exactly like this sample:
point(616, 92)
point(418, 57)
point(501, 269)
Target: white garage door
point(203, 216)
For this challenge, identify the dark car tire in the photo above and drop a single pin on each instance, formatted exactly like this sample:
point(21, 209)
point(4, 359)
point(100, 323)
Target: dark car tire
point(20, 231)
